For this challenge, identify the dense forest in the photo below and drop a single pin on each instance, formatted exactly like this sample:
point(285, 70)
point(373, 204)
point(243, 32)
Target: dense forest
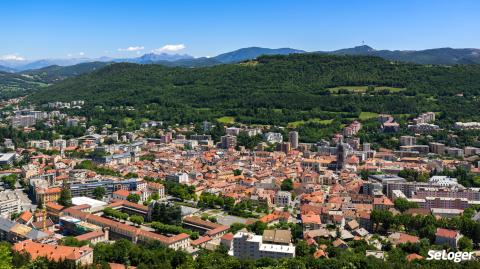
point(271, 90)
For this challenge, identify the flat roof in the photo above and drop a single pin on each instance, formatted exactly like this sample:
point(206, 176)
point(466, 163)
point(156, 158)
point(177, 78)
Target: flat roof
point(6, 156)
point(87, 201)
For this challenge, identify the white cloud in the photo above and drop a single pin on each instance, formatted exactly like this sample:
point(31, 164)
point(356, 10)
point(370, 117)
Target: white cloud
point(133, 48)
point(76, 54)
point(169, 48)
point(12, 57)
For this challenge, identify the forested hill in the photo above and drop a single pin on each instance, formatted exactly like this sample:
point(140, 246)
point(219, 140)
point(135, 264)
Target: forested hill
point(258, 90)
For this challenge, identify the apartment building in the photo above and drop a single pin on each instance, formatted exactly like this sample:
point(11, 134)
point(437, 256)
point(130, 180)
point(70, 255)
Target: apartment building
point(10, 203)
point(250, 246)
point(282, 198)
point(181, 178)
point(45, 195)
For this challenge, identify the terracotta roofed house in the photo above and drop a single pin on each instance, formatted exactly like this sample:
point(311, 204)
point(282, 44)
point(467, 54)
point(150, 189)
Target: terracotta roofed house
point(448, 237)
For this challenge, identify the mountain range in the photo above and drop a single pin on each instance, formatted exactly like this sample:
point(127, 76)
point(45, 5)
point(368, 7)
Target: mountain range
point(442, 56)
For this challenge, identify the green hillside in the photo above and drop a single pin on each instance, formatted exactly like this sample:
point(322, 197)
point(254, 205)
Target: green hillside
point(274, 90)
point(54, 73)
point(14, 85)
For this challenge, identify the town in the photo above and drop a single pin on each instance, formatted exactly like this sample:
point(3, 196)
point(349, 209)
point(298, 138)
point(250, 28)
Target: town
point(205, 186)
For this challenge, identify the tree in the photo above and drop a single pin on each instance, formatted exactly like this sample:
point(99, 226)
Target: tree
point(72, 242)
point(10, 180)
point(287, 185)
point(258, 227)
point(65, 198)
point(133, 197)
point(465, 244)
point(5, 256)
point(303, 249)
point(136, 219)
point(155, 196)
point(167, 213)
point(236, 226)
point(403, 204)
point(99, 192)
point(228, 203)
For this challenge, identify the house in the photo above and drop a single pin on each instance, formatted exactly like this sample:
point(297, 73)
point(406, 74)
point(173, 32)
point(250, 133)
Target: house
point(382, 203)
point(414, 256)
point(311, 221)
point(375, 253)
point(226, 240)
point(120, 195)
point(153, 187)
point(352, 225)
point(448, 237)
point(47, 195)
point(25, 218)
point(402, 238)
point(339, 243)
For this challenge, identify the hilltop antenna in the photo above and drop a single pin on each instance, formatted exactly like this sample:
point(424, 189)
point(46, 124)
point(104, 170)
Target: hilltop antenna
point(363, 42)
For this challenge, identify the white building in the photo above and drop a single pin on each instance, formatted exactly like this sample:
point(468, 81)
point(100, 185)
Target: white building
point(180, 177)
point(250, 246)
point(282, 198)
point(232, 131)
point(443, 181)
point(10, 203)
point(60, 143)
point(271, 137)
point(40, 144)
point(7, 158)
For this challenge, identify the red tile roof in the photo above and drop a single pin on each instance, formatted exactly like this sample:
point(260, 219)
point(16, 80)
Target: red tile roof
point(446, 233)
point(414, 256)
point(311, 218)
point(90, 235)
point(227, 236)
point(26, 216)
point(123, 193)
point(51, 252)
point(201, 240)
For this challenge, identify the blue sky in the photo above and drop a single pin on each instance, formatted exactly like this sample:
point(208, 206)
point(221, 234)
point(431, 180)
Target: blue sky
point(61, 29)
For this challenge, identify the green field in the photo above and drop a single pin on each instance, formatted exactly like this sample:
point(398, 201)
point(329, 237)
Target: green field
point(362, 89)
point(367, 115)
point(296, 124)
point(226, 120)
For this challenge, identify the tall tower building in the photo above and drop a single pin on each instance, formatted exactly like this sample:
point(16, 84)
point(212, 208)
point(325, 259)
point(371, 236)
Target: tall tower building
point(293, 138)
point(342, 153)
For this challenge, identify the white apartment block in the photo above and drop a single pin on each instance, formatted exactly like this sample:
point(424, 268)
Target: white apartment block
point(282, 198)
point(60, 143)
point(40, 144)
point(250, 246)
point(181, 178)
point(10, 203)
